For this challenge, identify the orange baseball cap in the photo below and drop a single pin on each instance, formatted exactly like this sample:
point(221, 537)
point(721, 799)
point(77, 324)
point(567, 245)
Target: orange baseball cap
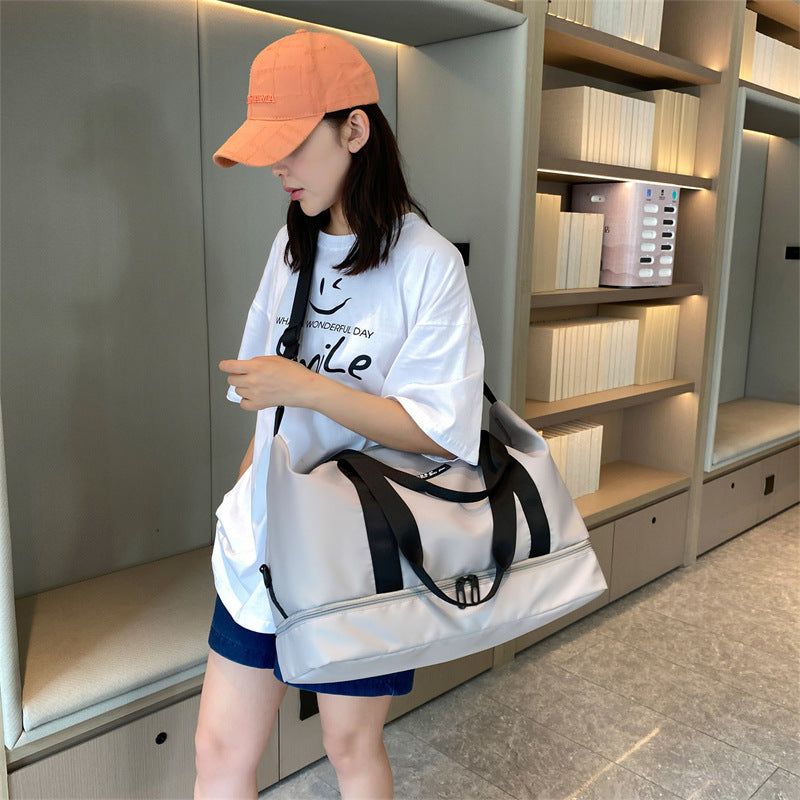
point(293, 83)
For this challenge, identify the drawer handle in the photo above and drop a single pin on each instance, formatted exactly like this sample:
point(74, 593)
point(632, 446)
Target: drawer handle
point(733, 483)
point(161, 738)
point(653, 520)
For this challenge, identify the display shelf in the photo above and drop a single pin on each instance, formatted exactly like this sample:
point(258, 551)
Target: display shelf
point(570, 170)
point(696, 42)
point(540, 413)
point(769, 111)
point(626, 486)
point(699, 47)
point(611, 294)
point(787, 12)
point(580, 48)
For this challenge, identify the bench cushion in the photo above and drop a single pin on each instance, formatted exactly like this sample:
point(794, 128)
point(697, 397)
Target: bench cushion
point(100, 643)
point(749, 424)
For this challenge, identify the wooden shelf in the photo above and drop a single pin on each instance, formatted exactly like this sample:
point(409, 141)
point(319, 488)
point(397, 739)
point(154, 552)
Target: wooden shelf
point(410, 22)
point(625, 487)
point(611, 294)
point(579, 48)
point(541, 413)
point(570, 170)
point(764, 91)
point(769, 111)
point(787, 12)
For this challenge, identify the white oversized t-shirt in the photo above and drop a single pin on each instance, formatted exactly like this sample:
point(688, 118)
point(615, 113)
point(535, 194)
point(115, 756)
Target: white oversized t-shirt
point(406, 329)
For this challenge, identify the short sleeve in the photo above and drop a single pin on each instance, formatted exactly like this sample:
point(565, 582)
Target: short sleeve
point(437, 375)
point(254, 337)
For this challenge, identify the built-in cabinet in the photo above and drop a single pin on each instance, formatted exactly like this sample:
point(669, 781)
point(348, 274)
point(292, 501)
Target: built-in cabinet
point(117, 443)
point(746, 495)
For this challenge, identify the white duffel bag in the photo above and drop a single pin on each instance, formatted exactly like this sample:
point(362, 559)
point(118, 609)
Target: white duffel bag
point(382, 560)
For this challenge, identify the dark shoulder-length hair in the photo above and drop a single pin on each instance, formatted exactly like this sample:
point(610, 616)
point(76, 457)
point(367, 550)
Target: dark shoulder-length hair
point(374, 198)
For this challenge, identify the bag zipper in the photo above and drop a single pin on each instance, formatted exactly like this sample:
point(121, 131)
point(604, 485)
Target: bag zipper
point(448, 584)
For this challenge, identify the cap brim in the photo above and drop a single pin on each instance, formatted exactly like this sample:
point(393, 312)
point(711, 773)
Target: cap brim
point(261, 142)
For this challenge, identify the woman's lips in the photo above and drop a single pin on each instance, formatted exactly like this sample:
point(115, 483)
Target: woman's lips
point(296, 194)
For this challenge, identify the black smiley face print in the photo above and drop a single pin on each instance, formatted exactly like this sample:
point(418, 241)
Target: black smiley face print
point(334, 309)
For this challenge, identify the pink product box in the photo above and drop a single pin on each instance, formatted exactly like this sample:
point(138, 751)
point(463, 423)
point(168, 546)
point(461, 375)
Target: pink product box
point(640, 229)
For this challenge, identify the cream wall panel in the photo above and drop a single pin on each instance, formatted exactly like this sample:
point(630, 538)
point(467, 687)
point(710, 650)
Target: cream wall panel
point(105, 358)
point(773, 366)
point(742, 274)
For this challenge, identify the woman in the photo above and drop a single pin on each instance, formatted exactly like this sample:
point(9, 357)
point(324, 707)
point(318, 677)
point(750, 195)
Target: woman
point(390, 354)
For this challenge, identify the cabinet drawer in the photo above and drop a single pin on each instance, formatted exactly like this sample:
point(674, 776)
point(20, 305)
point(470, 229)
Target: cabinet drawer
point(729, 506)
point(648, 543)
point(151, 757)
point(780, 477)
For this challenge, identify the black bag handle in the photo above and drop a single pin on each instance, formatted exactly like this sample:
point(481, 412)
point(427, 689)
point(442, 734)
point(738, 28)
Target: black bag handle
point(404, 527)
point(493, 459)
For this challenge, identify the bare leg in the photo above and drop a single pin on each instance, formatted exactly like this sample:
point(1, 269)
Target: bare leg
point(238, 707)
point(352, 733)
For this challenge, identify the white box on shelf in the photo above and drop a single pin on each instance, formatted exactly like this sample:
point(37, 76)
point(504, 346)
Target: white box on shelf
point(640, 230)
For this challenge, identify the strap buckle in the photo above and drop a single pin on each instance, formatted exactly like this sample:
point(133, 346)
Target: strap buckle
point(474, 591)
point(289, 341)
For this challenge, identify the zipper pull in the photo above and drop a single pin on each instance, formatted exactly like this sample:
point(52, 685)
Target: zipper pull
point(264, 570)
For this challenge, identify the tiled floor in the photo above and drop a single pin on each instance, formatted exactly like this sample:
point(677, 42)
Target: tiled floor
point(685, 688)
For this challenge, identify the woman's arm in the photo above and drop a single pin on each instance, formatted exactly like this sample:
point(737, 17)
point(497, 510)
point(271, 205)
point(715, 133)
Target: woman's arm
point(381, 419)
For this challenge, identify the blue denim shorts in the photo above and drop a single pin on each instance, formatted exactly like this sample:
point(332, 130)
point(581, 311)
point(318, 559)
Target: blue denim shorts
point(255, 649)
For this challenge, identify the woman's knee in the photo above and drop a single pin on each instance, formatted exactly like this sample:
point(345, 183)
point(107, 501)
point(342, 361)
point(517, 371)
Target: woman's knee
point(344, 748)
point(238, 708)
point(217, 754)
point(352, 727)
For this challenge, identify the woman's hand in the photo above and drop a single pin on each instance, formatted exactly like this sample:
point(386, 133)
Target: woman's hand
point(266, 381)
